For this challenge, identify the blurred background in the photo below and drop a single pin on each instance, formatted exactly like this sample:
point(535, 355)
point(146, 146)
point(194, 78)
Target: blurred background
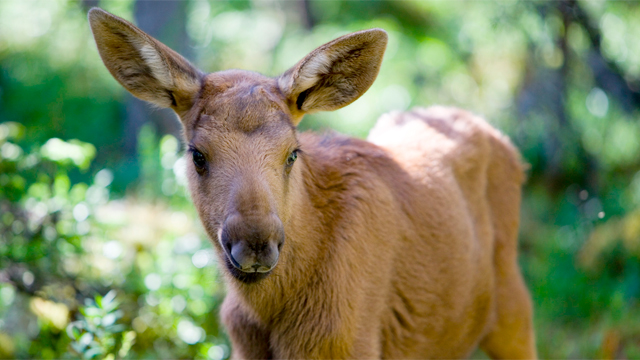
point(101, 252)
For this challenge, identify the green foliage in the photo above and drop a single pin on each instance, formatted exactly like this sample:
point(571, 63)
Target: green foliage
point(58, 251)
point(97, 334)
point(81, 219)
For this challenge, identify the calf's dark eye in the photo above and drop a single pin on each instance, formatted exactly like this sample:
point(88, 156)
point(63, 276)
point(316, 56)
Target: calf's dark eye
point(199, 160)
point(292, 157)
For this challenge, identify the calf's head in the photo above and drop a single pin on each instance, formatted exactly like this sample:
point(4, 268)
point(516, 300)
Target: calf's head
point(240, 129)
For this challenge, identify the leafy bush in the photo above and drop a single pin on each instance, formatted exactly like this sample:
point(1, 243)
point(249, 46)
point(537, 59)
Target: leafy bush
point(64, 244)
point(96, 334)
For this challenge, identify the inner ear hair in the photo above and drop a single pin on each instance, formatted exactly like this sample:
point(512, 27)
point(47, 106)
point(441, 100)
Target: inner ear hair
point(335, 74)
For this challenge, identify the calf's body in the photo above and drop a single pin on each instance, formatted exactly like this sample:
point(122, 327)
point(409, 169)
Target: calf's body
point(404, 249)
point(332, 247)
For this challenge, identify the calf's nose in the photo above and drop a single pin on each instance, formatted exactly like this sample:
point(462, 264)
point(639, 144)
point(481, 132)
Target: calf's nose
point(252, 244)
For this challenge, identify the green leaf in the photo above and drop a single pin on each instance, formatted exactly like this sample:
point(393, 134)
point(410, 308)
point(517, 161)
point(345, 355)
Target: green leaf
point(109, 297)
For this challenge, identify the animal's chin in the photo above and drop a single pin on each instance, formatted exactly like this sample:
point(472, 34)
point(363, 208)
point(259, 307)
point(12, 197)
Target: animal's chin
point(244, 277)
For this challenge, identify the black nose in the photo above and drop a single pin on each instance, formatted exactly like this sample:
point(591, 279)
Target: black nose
point(252, 244)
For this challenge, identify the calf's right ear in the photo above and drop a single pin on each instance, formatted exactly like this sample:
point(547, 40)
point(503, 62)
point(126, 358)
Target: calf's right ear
point(143, 65)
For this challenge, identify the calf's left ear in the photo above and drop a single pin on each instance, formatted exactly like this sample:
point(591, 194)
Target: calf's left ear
point(335, 74)
point(143, 65)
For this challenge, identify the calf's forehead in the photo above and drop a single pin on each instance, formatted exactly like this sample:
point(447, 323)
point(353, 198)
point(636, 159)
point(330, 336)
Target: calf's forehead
point(242, 103)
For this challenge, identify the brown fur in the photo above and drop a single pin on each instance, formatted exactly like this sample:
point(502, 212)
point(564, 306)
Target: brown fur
point(401, 247)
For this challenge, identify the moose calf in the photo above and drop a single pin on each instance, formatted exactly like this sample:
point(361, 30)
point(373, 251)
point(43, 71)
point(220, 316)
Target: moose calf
point(404, 246)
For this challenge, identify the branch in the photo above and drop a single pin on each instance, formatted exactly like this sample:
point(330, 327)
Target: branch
point(607, 74)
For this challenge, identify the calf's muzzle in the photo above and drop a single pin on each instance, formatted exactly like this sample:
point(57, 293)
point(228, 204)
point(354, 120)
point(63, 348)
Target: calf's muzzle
point(252, 243)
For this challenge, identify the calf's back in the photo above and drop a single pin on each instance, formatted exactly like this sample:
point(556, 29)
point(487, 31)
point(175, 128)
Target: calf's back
point(463, 198)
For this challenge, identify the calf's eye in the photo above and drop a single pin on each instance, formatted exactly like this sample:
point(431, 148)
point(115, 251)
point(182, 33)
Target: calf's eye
point(292, 157)
point(199, 160)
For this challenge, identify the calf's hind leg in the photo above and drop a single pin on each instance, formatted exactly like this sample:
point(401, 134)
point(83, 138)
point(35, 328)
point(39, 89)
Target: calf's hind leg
point(511, 336)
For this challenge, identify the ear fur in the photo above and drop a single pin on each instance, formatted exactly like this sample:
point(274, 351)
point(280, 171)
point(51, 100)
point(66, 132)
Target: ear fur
point(143, 65)
point(335, 74)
